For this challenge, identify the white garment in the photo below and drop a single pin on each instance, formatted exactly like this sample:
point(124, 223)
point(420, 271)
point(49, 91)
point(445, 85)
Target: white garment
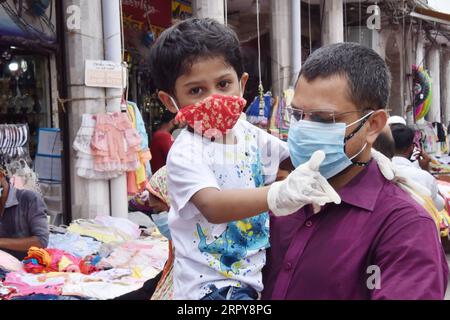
point(231, 254)
point(422, 177)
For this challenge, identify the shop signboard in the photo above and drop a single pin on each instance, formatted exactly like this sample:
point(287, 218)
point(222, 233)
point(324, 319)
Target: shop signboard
point(181, 10)
point(28, 21)
point(143, 22)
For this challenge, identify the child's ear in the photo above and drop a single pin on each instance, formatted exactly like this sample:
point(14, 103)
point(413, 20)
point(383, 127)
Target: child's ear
point(244, 80)
point(167, 101)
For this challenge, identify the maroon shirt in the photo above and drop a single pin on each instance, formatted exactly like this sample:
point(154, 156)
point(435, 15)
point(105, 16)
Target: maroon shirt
point(331, 255)
point(159, 148)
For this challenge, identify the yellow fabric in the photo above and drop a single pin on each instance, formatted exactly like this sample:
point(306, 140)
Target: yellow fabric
point(100, 233)
point(41, 255)
point(432, 210)
point(144, 156)
point(131, 115)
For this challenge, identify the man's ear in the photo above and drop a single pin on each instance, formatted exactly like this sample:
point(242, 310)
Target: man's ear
point(244, 80)
point(167, 101)
point(377, 121)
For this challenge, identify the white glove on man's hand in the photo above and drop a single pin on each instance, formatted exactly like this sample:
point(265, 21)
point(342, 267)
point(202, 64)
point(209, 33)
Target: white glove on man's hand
point(400, 177)
point(304, 185)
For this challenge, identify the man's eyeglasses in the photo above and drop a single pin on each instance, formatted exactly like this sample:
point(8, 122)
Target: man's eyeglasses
point(324, 116)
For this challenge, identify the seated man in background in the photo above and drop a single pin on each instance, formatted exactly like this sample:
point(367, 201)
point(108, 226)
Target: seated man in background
point(23, 219)
point(404, 148)
point(385, 142)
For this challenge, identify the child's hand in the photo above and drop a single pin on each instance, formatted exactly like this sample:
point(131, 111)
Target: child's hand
point(305, 185)
point(157, 204)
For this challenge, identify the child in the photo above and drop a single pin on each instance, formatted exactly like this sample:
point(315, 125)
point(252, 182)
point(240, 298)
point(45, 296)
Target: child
point(218, 166)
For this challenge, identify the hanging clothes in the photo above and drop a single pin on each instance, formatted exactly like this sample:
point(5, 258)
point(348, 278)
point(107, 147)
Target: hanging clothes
point(258, 114)
point(14, 142)
point(84, 163)
point(115, 143)
point(137, 180)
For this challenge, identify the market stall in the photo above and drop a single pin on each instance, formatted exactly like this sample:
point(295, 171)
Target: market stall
point(103, 258)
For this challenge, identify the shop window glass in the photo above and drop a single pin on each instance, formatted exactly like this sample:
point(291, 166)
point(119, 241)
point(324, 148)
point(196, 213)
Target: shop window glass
point(25, 93)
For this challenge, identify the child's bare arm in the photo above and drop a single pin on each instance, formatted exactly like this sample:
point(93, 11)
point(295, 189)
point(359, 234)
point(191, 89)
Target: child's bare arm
point(303, 186)
point(222, 206)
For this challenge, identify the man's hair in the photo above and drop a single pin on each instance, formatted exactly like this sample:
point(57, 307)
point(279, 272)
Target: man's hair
point(385, 144)
point(403, 137)
point(182, 45)
point(368, 76)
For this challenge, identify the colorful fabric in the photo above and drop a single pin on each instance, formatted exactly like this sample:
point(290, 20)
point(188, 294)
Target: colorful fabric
point(106, 229)
point(115, 143)
point(50, 260)
point(164, 289)
point(146, 257)
point(74, 244)
point(158, 185)
point(27, 284)
point(214, 116)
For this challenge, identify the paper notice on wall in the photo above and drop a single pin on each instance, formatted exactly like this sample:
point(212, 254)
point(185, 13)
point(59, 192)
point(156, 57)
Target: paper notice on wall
point(105, 74)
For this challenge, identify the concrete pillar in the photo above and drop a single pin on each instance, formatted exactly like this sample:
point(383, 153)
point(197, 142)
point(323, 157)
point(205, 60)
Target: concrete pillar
point(209, 9)
point(445, 87)
point(111, 12)
point(434, 115)
point(420, 50)
point(333, 22)
point(280, 42)
point(89, 197)
point(383, 37)
point(296, 54)
point(408, 79)
point(401, 50)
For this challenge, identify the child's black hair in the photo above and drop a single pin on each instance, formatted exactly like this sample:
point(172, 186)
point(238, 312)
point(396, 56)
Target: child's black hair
point(179, 47)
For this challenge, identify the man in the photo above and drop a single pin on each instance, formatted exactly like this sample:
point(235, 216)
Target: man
point(404, 148)
point(23, 219)
point(378, 243)
point(162, 140)
point(385, 142)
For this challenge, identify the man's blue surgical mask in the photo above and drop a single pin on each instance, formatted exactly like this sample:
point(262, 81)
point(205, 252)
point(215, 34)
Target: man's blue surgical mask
point(161, 222)
point(305, 137)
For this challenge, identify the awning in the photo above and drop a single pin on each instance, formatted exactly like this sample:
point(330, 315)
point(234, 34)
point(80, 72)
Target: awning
point(431, 15)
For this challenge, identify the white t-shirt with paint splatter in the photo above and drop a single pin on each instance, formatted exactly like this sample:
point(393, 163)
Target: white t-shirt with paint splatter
point(229, 254)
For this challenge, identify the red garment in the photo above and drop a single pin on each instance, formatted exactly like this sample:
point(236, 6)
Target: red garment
point(159, 148)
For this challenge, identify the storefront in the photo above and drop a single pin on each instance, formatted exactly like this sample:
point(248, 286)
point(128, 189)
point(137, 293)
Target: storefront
point(143, 23)
point(27, 47)
point(28, 93)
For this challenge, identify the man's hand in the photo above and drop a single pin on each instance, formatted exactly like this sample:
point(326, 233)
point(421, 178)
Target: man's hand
point(424, 160)
point(304, 185)
point(20, 244)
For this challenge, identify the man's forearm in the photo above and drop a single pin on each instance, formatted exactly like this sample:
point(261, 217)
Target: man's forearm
point(20, 244)
point(231, 205)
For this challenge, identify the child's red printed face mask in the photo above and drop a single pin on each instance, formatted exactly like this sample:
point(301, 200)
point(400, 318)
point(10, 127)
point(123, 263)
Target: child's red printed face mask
point(216, 114)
